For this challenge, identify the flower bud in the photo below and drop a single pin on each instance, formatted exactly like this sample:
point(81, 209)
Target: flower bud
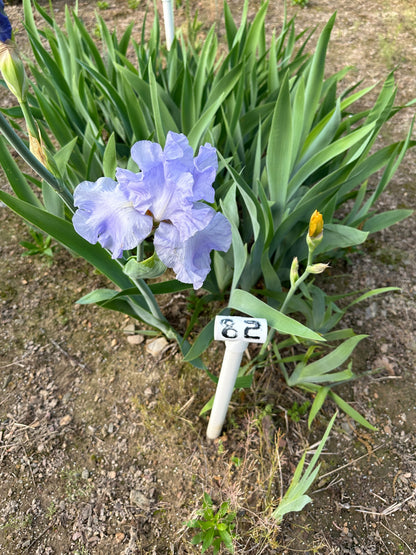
point(315, 233)
point(294, 271)
point(13, 71)
point(316, 224)
point(317, 268)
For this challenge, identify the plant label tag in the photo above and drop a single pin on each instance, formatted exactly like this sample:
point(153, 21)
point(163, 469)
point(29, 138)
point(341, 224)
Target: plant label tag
point(240, 328)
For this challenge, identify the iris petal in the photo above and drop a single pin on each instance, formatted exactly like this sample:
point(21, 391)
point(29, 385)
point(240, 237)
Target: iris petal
point(205, 170)
point(5, 25)
point(132, 186)
point(190, 260)
point(105, 214)
point(168, 190)
point(188, 221)
point(174, 181)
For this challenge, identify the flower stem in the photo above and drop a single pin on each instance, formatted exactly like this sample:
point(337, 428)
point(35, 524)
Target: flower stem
point(29, 119)
point(289, 295)
point(295, 285)
point(140, 252)
point(34, 163)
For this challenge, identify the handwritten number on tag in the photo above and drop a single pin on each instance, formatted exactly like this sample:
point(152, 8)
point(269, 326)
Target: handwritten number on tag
point(240, 328)
point(253, 325)
point(228, 330)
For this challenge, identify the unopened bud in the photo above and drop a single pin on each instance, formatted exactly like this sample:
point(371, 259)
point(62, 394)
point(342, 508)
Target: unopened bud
point(294, 271)
point(316, 224)
point(317, 268)
point(315, 233)
point(13, 70)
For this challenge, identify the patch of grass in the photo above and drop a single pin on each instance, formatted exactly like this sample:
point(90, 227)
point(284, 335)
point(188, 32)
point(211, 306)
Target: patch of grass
point(51, 510)
point(16, 523)
point(390, 255)
point(82, 550)
point(76, 488)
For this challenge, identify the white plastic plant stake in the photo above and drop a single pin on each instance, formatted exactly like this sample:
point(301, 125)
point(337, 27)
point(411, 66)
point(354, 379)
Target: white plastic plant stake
point(237, 332)
point(169, 24)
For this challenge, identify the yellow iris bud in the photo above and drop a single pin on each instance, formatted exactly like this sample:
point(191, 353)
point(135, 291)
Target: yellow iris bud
point(315, 234)
point(316, 224)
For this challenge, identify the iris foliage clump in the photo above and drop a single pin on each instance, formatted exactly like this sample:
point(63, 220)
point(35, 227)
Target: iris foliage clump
point(289, 140)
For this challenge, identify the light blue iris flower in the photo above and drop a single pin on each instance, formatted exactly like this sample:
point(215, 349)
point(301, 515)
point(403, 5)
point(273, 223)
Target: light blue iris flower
point(168, 196)
point(5, 25)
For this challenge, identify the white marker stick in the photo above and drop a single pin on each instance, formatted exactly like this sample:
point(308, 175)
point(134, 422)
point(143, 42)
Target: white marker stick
point(169, 23)
point(237, 332)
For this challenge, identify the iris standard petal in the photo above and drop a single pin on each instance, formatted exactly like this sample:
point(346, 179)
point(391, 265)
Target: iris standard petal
point(177, 147)
point(147, 155)
point(178, 156)
point(204, 172)
point(165, 200)
point(190, 260)
point(170, 197)
point(105, 214)
point(172, 184)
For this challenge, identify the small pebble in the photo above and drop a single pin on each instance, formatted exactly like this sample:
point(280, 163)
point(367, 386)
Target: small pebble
point(148, 392)
point(156, 346)
point(65, 420)
point(119, 537)
point(139, 499)
point(130, 328)
point(135, 339)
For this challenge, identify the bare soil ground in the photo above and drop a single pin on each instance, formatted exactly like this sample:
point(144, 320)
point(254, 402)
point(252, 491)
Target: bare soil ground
point(102, 449)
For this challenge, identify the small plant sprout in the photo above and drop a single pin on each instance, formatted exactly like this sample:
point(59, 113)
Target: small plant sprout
point(301, 3)
point(295, 498)
point(216, 527)
point(40, 245)
point(296, 411)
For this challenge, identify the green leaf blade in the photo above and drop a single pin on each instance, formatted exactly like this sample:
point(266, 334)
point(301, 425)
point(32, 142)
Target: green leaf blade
point(249, 304)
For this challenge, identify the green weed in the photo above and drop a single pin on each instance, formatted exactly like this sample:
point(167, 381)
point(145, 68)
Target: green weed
point(216, 528)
